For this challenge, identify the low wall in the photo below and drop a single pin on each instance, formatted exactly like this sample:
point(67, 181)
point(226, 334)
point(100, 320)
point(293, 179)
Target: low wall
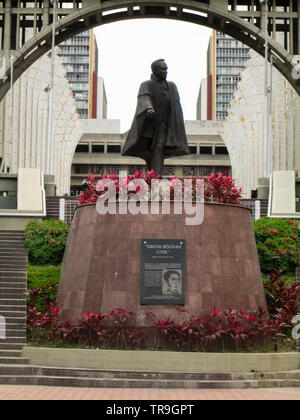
point(159, 361)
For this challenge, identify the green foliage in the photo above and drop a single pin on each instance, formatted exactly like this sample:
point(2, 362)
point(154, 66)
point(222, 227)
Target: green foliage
point(278, 244)
point(42, 275)
point(46, 241)
point(42, 285)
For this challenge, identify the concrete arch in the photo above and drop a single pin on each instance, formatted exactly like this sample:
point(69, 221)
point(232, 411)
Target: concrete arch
point(212, 15)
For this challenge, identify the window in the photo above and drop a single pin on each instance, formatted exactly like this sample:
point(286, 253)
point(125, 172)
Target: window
point(132, 169)
point(113, 169)
point(222, 169)
point(205, 170)
point(81, 169)
point(206, 150)
point(189, 171)
point(114, 148)
point(97, 148)
point(82, 148)
point(169, 170)
point(221, 150)
point(193, 150)
point(97, 169)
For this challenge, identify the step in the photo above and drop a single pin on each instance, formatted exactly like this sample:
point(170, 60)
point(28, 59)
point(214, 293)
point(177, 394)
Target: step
point(18, 326)
point(17, 276)
point(13, 268)
point(13, 314)
point(13, 321)
point(13, 361)
point(12, 245)
point(11, 308)
point(12, 285)
point(9, 257)
point(14, 340)
point(16, 333)
point(11, 346)
point(12, 301)
point(12, 252)
point(13, 294)
point(156, 384)
point(11, 354)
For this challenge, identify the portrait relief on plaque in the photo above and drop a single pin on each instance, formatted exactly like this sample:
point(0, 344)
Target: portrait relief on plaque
point(163, 272)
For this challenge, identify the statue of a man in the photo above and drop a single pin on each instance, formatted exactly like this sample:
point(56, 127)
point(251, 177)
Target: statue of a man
point(157, 131)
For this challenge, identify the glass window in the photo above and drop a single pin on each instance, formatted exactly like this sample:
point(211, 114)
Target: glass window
point(82, 148)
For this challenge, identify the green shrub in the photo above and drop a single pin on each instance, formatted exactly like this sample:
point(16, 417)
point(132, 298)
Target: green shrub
point(42, 285)
point(42, 275)
point(46, 241)
point(278, 244)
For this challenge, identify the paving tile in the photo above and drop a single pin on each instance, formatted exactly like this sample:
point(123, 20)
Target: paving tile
point(12, 392)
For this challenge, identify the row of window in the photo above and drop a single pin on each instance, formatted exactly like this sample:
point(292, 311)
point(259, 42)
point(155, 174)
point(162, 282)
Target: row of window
point(84, 113)
point(77, 40)
point(79, 86)
point(224, 97)
point(221, 115)
point(234, 61)
point(226, 88)
point(229, 70)
point(232, 52)
point(116, 148)
point(74, 50)
point(73, 68)
point(223, 106)
point(228, 80)
point(131, 169)
point(76, 59)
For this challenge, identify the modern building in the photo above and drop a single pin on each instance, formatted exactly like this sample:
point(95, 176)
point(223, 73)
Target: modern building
point(226, 59)
point(99, 151)
point(79, 55)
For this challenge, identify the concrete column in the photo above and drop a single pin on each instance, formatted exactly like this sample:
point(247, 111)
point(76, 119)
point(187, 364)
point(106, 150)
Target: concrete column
point(7, 26)
point(62, 209)
point(257, 209)
point(46, 10)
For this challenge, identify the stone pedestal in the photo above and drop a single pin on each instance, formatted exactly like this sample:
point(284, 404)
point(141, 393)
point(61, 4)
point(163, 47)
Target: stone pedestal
point(102, 263)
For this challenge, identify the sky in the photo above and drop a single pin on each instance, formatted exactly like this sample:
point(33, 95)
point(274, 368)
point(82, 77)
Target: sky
point(127, 49)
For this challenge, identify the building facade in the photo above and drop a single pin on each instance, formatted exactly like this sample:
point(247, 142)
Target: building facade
point(226, 58)
point(99, 151)
point(79, 55)
point(244, 129)
point(23, 140)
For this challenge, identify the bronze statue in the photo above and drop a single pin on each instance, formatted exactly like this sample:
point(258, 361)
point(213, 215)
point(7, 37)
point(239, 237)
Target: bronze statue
point(157, 131)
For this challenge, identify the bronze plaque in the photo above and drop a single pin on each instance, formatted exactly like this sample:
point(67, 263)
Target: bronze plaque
point(163, 271)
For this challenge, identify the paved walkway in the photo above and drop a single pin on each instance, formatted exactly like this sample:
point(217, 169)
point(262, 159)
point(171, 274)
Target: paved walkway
point(12, 392)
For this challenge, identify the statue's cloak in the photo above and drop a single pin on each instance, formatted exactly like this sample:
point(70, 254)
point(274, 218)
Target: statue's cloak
point(142, 134)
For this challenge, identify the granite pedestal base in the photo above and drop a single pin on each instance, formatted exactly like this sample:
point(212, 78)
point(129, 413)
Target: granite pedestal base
point(102, 263)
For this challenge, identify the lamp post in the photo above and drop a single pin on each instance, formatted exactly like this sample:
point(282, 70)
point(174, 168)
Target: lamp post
point(268, 98)
point(11, 151)
point(50, 90)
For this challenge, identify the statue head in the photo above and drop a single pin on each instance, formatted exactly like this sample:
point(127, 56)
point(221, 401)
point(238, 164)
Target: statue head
point(160, 69)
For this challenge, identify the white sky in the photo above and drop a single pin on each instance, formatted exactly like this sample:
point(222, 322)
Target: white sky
point(127, 49)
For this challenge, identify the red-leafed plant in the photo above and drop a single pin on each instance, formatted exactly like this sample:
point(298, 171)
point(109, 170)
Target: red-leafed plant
point(89, 330)
point(118, 334)
point(218, 188)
